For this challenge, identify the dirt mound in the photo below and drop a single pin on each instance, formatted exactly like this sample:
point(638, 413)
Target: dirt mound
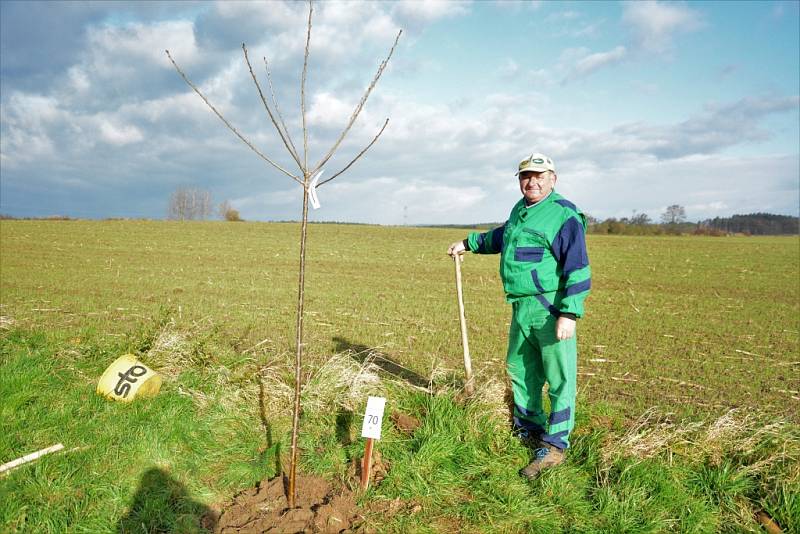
point(264, 508)
point(405, 424)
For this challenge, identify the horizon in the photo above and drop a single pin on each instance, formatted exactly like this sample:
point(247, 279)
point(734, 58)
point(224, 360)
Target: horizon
point(641, 105)
point(219, 218)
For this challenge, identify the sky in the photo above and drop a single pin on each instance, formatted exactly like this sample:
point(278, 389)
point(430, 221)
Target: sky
point(641, 105)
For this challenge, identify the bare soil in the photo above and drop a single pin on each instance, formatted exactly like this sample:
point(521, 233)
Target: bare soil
point(404, 423)
point(319, 509)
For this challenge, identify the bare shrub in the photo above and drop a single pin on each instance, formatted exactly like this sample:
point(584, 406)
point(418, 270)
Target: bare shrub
point(228, 212)
point(340, 381)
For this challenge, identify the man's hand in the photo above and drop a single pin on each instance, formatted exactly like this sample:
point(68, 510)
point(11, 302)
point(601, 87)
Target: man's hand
point(456, 248)
point(565, 328)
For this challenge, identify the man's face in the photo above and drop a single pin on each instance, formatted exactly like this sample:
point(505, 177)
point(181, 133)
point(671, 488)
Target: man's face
point(536, 185)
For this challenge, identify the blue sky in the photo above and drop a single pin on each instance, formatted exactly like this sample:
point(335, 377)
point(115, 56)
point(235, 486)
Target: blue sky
point(640, 104)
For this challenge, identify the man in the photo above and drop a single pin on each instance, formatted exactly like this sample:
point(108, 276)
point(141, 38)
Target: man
point(546, 277)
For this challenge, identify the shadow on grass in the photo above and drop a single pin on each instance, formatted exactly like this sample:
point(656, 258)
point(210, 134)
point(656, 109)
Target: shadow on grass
point(362, 353)
point(162, 504)
point(272, 447)
point(344, 421)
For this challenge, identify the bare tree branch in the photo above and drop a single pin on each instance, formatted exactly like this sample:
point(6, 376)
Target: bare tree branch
point(303, 92)
point(269, 111)
point(277, 109)
point(358, 156)
point(230, 127)
point(283, 132)
point(360, 105)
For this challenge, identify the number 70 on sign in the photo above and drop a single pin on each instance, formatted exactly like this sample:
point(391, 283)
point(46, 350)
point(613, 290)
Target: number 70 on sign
point(373, 416)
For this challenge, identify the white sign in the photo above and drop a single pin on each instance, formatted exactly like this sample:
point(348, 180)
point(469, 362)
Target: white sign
point(312, 189)
point(373, 417)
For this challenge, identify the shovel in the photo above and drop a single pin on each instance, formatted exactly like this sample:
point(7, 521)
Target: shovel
point(468, 384)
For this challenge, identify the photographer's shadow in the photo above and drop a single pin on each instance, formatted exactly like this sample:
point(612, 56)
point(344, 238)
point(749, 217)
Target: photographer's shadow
point(162, 504)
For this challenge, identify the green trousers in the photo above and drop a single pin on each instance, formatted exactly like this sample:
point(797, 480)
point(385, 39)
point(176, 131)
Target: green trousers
point(536, 356)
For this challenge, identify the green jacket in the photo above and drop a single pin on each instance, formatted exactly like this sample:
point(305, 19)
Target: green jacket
point(543, 250)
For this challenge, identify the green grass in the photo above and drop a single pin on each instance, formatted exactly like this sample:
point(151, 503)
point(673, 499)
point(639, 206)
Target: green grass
point(692, 327)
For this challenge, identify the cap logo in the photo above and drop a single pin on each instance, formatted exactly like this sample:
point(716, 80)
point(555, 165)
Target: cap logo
point(537, 163)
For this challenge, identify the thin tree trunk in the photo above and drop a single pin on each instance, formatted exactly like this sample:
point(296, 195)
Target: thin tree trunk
point(307, 173)
point(299, 352)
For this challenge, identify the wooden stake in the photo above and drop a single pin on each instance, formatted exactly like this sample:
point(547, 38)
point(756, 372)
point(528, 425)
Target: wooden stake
point(366, 465)
point(30, 457)
point(468, 385)
point(767, 522)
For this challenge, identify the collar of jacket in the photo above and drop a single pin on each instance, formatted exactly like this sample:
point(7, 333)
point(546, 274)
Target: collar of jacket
point(524, 211)
point(525, 200)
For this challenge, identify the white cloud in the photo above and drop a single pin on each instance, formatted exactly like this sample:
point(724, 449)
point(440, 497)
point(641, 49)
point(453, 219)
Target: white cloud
point(593, 62)
point(586, 30)
point(174, 107)
point(655, 23)
point(78, 79)
point(118, 134)
point(430, 10)
point(145, 42)
point(380, 27)
point(328, 110)
point(709, 208)
point(570, 23)
point(32, 110)
point(508, 68)
point(715, 128)
point(271, 15)
point(27, 120)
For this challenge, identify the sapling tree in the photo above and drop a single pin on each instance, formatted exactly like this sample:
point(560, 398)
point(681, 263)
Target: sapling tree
point(308, 178)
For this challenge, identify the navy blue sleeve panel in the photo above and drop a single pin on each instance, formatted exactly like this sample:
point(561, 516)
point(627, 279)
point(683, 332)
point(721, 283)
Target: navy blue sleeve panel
point(490, 242)
point(569, 247)
point(569, 250)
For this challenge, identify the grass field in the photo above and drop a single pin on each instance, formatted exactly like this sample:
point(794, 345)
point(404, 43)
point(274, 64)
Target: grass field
point(679, 332)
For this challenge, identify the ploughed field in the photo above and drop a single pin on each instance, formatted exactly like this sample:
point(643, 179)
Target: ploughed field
point(687, 415)
point(693, 325)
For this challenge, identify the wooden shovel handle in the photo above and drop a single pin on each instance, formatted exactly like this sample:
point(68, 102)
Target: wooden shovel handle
point(468, 385)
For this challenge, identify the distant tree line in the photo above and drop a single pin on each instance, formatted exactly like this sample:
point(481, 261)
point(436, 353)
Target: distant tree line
point(7, 217)
point(673, 222)
point(190, 204)
point(755, 224)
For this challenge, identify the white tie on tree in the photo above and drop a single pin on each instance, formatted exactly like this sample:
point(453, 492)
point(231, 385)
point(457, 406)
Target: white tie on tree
point(312, 189)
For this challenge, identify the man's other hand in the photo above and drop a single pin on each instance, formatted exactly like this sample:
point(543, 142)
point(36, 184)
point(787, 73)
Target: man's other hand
point(456, 248)
point(565, 328)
